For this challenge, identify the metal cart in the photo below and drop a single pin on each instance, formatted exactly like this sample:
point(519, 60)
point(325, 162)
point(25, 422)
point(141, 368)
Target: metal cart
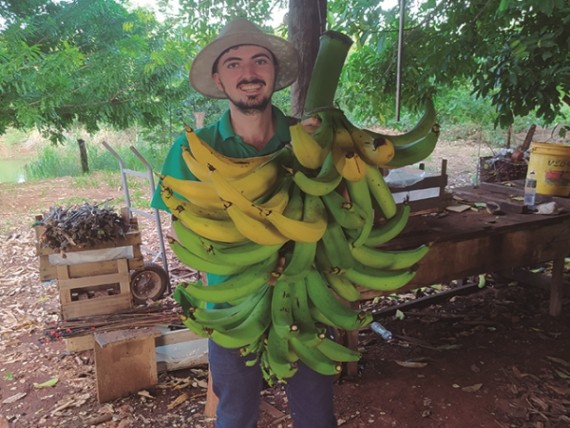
point(153, 280)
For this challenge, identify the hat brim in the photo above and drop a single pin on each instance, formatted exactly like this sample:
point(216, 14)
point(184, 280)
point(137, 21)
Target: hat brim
point(285, 54)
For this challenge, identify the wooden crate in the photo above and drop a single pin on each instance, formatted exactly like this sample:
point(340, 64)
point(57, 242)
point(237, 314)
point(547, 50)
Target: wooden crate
point(93, 288)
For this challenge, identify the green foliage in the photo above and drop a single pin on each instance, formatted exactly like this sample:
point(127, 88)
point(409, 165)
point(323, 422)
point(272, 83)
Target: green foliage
point(514, 54)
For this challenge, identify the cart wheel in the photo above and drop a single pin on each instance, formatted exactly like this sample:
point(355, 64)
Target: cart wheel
point(148, 283)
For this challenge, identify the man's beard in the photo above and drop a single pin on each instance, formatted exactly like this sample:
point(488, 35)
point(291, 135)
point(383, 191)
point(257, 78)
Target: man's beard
point(251, 105)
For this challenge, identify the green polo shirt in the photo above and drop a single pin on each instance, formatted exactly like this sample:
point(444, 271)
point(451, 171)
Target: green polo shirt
point(221, 136)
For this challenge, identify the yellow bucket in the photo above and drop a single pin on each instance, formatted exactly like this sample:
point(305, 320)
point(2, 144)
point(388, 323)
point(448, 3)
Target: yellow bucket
point(551, 165)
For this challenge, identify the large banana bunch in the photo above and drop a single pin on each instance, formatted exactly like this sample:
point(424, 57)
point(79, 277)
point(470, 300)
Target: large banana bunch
point(296, 234)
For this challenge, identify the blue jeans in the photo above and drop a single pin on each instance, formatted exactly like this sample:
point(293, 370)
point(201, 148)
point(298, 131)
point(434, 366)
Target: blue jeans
point(238, 387)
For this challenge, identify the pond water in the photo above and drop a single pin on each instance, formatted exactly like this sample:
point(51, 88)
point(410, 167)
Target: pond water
point(13, 170)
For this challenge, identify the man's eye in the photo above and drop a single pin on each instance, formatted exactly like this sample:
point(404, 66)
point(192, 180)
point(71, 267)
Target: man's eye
point(262, 61)
point(232, 65)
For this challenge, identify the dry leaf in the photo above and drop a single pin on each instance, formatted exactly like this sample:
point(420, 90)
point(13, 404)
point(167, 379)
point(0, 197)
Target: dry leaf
point(472, 388)
point(411, 364)
point(14, 398)
point(559, 361)
point(145, 393)
point(177, 401)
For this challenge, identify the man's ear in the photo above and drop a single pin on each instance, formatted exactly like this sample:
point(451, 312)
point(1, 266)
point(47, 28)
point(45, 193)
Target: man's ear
point(217, 81)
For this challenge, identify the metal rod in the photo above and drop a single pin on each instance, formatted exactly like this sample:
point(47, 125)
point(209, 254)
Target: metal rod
point(123, 176)
point(150, 177)
point(400, 54)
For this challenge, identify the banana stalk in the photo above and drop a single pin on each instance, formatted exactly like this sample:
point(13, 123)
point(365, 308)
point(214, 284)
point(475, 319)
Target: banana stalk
point(333, 49)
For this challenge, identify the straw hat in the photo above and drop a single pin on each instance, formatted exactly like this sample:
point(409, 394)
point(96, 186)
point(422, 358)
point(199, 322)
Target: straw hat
point(242, 32)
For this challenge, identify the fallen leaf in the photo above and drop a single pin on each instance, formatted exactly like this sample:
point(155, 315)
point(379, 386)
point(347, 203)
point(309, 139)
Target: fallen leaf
point(472, 388)
point(14, 398)
point(145, 394)
point(399, 315)
point(562, 374)
point(559, 361)
point(177, 401)
point(411, 364)
point(47, 384)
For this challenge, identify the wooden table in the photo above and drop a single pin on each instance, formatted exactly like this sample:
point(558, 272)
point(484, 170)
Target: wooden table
point(474, 242)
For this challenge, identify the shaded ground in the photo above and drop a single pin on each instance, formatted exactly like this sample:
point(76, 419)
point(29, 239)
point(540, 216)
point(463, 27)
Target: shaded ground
point(493, 358)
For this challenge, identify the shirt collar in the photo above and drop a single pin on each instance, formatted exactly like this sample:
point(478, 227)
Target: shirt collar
point(281, 132)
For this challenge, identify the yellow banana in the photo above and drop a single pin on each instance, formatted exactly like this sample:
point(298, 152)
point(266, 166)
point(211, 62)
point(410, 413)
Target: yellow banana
point(306, 149)
point(201, 193)
point(254, 229)
point(310, 229)
point(231, 167)
point(214, 229)
point(198, 169)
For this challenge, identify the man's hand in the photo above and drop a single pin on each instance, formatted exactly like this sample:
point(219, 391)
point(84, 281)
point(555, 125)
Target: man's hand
point(311, 124)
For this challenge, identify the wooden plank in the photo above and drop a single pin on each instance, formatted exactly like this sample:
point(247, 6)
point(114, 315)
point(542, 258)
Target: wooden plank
point(113, 338)
point(90, 281)
point(49, 271)
point(212, 399)
point(79, 343)
point(174, 337)
point(104, 305)
point(125, 364)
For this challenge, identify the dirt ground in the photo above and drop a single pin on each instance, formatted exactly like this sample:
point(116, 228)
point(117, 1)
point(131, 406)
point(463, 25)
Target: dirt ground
point(494, 358)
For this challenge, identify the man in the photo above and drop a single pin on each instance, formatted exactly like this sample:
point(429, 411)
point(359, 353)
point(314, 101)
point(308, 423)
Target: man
point(245, 65)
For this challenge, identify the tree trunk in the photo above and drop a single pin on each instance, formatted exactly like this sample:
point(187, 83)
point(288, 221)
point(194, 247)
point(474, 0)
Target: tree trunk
point(83, 156)
point(306, 22)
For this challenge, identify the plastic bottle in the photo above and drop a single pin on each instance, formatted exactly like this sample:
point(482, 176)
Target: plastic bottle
point(381, 331)
point(530, 190)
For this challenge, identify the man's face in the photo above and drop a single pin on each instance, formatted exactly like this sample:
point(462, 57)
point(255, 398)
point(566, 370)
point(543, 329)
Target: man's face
point(246, 74)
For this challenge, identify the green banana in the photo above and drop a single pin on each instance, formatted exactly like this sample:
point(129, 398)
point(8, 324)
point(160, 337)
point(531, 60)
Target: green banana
point(326, 181)
point(228, 317)
point(344, 288)
point(238, 286)
point(310, 331)
point(381, 192)
point(324, 299)
point(422, 128)
point(278, 360)
point(337, 352)
point(282, 310)
point(315, 359)
point(198, 263)
point(251, 329)
point(390, 229)
point(416, 151)
point(378, 279)
point(359, 194)
point(335, 247)
point(299, 262)
point(195, 327)
point(385, 259)
point(346, 213)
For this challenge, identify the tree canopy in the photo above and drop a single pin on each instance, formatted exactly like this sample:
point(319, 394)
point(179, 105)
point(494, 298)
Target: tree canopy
point(97, 62)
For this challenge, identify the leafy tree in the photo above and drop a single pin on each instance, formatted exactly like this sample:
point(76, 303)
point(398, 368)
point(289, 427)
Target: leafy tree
point(87, 62)
point(515, 52)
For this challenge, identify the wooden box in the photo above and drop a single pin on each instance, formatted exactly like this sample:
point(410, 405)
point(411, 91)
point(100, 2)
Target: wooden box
point(95, 287)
